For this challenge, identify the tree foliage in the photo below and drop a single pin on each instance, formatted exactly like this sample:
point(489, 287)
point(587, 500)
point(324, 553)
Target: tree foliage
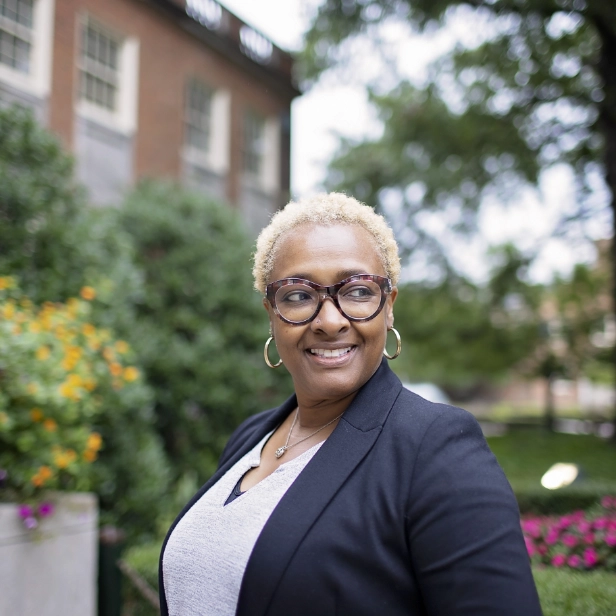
point(539, 90)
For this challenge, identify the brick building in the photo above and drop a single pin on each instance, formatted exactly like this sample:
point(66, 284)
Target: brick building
point(155, 88)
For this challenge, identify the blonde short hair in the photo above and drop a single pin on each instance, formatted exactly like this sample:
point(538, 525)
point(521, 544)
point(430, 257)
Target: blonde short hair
point(324, 209)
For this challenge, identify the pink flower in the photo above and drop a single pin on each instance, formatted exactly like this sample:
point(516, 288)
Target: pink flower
point(589, 538)
point(25, 511)
point(552, 537)
point(45, 509)
point(600, 523)
point(583, 527)
point(607, 502)
point(559, 560)
point(570, 540)
point(574, 561)
point(610, 540)
point(30, 523)
point(590, 557)
point(542, 549)
point(530, 546)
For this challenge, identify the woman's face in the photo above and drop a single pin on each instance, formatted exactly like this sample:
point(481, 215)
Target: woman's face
point(326, 255)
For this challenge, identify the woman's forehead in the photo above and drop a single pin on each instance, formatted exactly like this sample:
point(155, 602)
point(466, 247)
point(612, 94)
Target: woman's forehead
point(326, 251)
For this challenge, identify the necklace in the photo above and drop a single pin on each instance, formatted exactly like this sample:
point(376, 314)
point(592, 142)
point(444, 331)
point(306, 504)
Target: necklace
point(281, 450)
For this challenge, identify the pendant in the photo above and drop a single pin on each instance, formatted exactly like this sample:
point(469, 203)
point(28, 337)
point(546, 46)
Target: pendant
point(280, 451)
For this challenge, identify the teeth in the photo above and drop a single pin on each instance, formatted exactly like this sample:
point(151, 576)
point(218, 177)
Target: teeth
point(330, 352)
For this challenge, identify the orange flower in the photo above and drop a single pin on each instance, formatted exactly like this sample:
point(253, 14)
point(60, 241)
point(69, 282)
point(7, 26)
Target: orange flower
point(67, 390)
point(89, 455)
point(17, 330)
point(36, 415)
point(121, 347)
point(61, 459)
point(131, 374)
point(74, 380)
point(50, 425)
point(8, 312)
point(108, 354)
point(88, 293)
point(43, 353)
point(89, 384)
point(94, 441)
point(44, 473)
point(115, 369)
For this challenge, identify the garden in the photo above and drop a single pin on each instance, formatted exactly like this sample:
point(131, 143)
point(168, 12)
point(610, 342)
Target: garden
point(106, 316)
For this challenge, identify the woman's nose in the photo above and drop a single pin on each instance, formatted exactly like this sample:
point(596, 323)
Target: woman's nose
point(329, 320)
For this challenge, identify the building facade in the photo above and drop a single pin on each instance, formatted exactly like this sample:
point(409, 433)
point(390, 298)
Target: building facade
point(179, 89)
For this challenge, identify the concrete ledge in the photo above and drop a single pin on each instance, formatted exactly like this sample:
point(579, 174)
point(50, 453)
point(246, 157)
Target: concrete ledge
point(53, 572)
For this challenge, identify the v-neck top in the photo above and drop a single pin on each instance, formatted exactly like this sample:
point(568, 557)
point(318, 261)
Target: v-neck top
point(208, 550)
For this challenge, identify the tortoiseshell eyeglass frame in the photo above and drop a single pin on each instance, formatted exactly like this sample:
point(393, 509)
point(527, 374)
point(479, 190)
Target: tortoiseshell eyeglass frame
point(331, 291)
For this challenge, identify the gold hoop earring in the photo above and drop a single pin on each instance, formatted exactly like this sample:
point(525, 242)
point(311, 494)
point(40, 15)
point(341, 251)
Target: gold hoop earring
point(265, 356)
point(398, 345)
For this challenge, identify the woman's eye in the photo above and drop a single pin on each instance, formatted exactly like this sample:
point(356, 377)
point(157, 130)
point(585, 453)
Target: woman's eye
point(296, 296)
point(358, 293)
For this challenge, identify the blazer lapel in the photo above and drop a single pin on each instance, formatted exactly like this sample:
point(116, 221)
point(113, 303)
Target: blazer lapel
point(316, 485)
point(276, 417)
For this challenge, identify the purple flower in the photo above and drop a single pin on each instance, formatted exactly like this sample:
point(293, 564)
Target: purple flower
point(25, 511)
point(45, 509)
point(30, 523)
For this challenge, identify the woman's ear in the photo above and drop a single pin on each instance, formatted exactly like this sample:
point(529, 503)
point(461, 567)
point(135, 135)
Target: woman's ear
point(389, 307)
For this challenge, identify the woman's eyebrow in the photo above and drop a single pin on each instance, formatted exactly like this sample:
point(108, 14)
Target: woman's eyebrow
point(342, 275)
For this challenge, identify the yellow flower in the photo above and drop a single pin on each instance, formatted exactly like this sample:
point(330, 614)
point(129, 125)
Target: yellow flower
point(74, 380)
point(88, 293)
point(94, 442)
point(115, 369)
point(89, 384)
point(67, 390)
point(88, 329)
point(94, 344)
point(131, 374)
point(50, 425)
point(6, 282)
point(121, 347)
point(37, 415)
point(8, 312)
point(32, 388)
point(61, 459)
point(35, 327)
point(43, 353)
point(108, 354)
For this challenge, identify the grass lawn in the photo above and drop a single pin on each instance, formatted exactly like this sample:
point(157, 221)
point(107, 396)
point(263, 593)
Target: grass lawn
point(567, 593)
point(526, 454)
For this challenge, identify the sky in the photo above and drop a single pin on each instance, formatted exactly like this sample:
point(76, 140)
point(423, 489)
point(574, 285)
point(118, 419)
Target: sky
point(331, 108)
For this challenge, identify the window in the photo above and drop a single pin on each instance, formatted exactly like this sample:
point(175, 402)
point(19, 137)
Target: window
point(108, 66)
point(254, 144)
point(99, 68)
point(198, 119)
point(16, 33)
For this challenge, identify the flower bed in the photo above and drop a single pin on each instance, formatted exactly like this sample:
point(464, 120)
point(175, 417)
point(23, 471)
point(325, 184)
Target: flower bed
point(580, 540)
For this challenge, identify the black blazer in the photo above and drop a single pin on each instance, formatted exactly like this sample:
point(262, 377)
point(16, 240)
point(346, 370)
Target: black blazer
point(403, 511)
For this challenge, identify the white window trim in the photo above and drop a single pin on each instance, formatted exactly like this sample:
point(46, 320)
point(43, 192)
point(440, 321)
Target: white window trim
point(217, 158)
point(38, 81)
point(268, 180)
point(124, 119)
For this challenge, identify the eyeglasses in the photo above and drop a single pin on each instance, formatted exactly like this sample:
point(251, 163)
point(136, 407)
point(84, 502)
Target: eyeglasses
point(358, 298)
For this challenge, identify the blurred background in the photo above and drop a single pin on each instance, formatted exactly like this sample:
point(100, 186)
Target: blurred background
point(144, 144)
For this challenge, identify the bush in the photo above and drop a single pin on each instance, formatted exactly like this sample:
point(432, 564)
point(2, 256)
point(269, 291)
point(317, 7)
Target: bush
point(68, 395)
point(200, 328)
point(578, 540)
point(540, 501)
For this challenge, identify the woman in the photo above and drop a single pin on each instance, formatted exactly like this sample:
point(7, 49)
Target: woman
point(355, 496)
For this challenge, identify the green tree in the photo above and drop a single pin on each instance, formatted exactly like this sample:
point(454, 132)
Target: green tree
point(200, 328)
point(540, 90)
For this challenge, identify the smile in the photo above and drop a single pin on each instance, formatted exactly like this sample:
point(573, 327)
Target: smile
point(331, 352)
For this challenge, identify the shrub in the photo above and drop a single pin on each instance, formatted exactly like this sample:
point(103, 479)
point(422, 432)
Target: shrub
point(67, 391)
point(200, 328)
point(578, 540)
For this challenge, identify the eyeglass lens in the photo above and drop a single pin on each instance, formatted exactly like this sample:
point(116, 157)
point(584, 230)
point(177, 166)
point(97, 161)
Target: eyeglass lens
point(358, 299)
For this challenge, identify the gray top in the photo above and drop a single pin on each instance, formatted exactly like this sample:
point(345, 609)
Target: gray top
point(207, 553)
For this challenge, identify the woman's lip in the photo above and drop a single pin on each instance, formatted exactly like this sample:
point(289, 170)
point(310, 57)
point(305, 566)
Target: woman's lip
point(332, 361)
